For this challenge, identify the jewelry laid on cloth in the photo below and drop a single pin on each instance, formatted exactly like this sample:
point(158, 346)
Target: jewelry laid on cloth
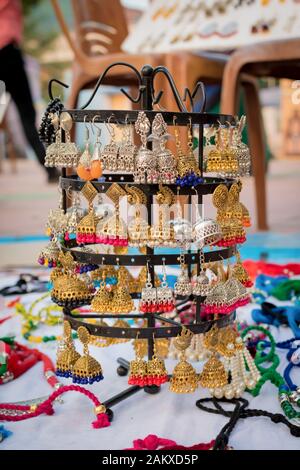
point(166, 163)
point(146, 160)
point(22, 410)
point(184, 377)
point(89, 166)
point(127, 150)
point(62, 154)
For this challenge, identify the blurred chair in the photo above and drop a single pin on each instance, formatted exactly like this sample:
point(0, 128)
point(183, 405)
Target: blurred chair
point(6, 140)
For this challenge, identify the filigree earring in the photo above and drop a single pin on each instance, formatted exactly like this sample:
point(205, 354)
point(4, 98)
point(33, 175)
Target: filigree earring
point(182, 227)
point(184, 377)
point(121, 301)
point(165, 298)
point(166, 163)
point(113, 231)
point(66, 354)
point(52, 151)
point(213, 374)
point(205, 231)
point(148, 303)
point(86, 369)
point(183, 285)
point(86, 228)
point(243, 152)
point(162, 233)
point(240, 273)
point(146, 162)
point(201, 285)
point(68, 152)
point(127, 150)
point(138, 228)
point(102, 301)
point(109, 154)
point(138, 369)
point(156, 369)
point(188, 170)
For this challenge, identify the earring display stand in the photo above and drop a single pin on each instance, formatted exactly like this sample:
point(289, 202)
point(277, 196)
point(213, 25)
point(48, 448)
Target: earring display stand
point(167, 327)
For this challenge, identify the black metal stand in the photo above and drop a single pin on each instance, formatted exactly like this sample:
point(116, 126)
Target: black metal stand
point(166, 328)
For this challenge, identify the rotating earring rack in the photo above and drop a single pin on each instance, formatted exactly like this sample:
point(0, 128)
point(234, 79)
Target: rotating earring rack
point(146, 97)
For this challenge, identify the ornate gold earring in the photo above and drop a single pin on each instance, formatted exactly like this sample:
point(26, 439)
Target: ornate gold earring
point(121, 301)
point(86, 369)
point(188, 170)
point(156, 369)
point(138, 228)
point(162, 233)
point(213, 374)
point(66, 354)
point(138, 369)
point(86, 228)
point(184, 378)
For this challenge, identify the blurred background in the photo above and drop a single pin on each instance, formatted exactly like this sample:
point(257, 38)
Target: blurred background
point(57, 43)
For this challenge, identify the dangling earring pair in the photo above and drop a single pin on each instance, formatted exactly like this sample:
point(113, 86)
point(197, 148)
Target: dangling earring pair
point(162, 233)
point(144, 373)
point(138, 228)
point(62, 154)
point(82, 369)
point(119, 157)
point(157, 299)
point(116, 301)
point(89, 166)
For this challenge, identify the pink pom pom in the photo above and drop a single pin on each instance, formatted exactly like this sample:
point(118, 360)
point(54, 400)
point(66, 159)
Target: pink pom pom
point(101, 422)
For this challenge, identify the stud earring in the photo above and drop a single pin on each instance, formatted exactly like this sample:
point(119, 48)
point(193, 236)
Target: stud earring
point(138, 369)
point(165, 298)
point(109, 154)
point(188, 170)
point(86, 369)
point(113, 231)
point(138, 228)
point(156, 369)
point(166, 162)
point(183, 285)
point(146, 162)
point(184, 377)
point(66, 354)
point(127, 150)
point(86, 229)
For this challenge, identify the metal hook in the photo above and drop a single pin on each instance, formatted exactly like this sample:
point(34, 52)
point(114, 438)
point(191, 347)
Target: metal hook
point(99, 130)
point(166, 73)
point(54, 80)
point(191, 96)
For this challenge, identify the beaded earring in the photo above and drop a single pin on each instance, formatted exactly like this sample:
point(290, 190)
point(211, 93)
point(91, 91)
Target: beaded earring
point(148, 303)
point(188, 170)
point(86, 369)
point(66, 354)
point(138, 369)
point(165, 298)
point(156, 369)
point(86, 228)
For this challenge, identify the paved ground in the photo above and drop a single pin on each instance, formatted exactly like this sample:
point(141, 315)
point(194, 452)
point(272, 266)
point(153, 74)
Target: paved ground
point(25, 200)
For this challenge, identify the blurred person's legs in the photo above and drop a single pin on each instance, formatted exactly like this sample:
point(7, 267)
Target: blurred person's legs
point(13, 73)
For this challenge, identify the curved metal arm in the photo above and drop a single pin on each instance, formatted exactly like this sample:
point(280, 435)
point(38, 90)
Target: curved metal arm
point(165, 71)
point(191, 96)
point(102, 76)
point(54, 80)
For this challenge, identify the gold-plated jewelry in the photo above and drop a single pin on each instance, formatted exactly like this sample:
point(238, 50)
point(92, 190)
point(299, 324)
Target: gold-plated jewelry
point(138, 370)
point(138, 228)
point(102, 301)
point(188, 169)
point(121, 301)
point(239, 272)
point(86, 369)
point(213, 374)
point(156, 369)
point(86, 228)
point(162, 233)
point(112, 230)
point(66, 354)
point(184, 377)
point(146, 161)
